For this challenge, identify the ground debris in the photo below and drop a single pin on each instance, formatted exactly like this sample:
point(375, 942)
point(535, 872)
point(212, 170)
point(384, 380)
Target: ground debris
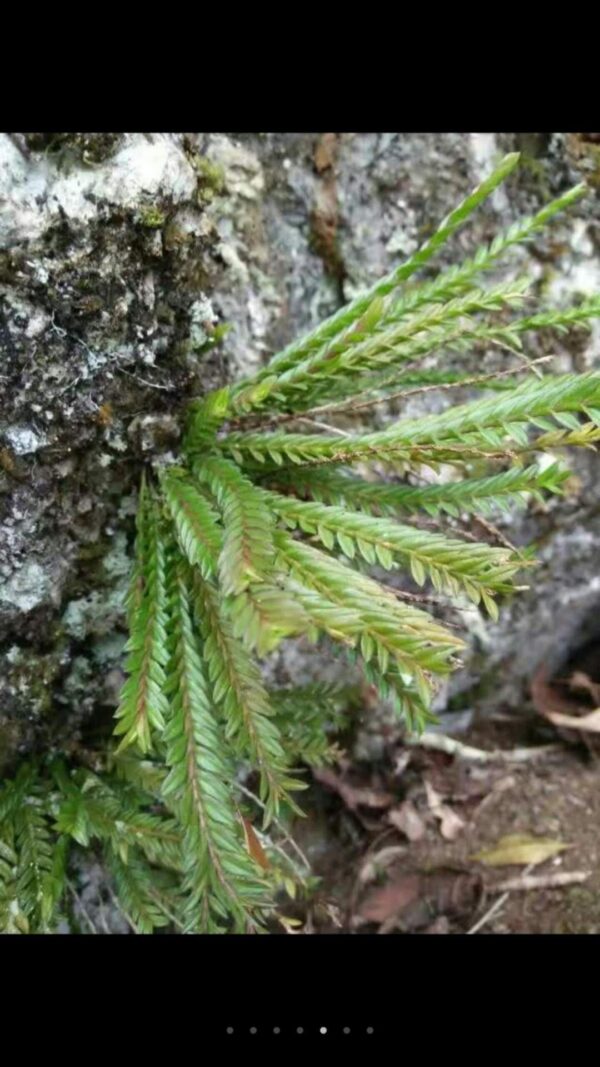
point(451, 824)
point(407, 819)
point(514, 849)
point(353, 796)
point(540, 881)
point(404, 875)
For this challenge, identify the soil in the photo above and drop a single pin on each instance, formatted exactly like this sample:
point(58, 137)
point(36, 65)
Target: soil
point(374, 879)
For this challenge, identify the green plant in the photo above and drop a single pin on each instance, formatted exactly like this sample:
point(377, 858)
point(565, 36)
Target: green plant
point(261, 532)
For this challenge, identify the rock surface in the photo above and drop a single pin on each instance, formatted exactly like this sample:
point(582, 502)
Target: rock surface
point(119, 257)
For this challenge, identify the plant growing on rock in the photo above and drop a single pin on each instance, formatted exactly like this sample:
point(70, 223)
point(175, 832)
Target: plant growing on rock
point(267, 527)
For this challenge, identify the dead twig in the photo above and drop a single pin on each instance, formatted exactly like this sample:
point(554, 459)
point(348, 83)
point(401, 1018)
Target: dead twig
point(540, 881)
point(496, 906)
point(442, 743)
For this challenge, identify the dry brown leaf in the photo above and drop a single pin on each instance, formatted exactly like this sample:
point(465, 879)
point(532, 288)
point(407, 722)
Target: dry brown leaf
point(520, 849)
point(546, 698)
point(384, 903)
point(254, 846)
point(581, 680)
point(380, 861)
point(451, 824)
point(441, 925)
point(353, 796)
point(401, 762)
point(407, 819)
point(589, 723)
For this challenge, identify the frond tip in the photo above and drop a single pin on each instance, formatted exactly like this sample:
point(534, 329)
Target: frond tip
point(247, 552)
point(143, 705)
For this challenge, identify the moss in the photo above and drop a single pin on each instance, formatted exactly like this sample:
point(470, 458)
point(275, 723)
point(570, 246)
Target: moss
point(89, 305)
point(152, 217)
point(211, 178)
point(174, 238)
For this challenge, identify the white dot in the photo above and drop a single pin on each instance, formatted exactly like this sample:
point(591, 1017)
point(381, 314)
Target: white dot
point(323, 1030)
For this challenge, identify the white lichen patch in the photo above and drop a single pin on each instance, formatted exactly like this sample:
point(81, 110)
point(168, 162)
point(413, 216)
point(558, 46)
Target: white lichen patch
point(401, 243)
point(117, 563)
point(27, 588)
point(34, 193)
point(97, 613)
point(202, 318)
point(23, 440)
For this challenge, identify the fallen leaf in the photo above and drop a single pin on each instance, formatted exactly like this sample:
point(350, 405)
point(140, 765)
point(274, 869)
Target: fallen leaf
point(441, 925)
point(374, 865)
point(254, 846)
point(407, 819)
point(520, 849)
point(401, 762)
point(450, 823)
point(353, 796)
point(384, 903)
point(546, 698)
point(290, 925)
point(590, 723)
point(581, 680)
